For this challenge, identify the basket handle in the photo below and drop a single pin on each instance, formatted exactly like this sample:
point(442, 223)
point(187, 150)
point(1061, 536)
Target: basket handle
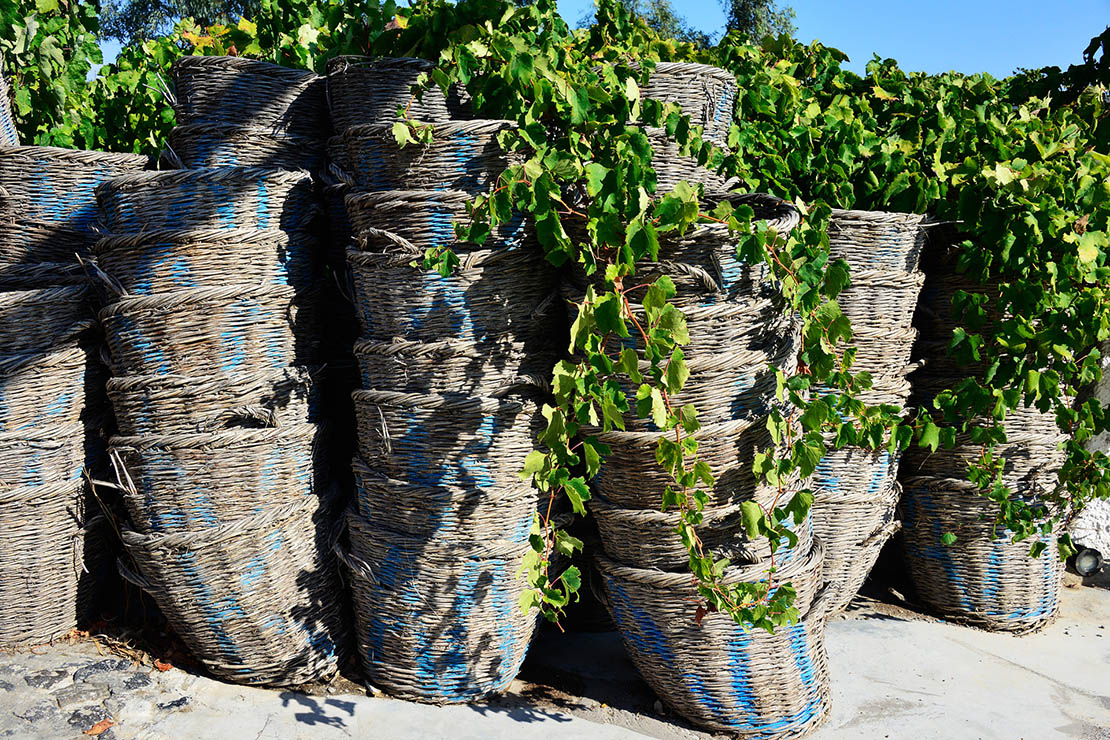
point(268, 418)
point(133, 577)
point(883, 533)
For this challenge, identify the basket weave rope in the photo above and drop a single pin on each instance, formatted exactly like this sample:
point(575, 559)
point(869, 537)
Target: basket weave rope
point(193, 482)
point(432, 440)
point(197, 331)
point(672, 166)
point(164, 404)
point(365, 91)
point(877, 240)
point(56, 187)
point(44, 558)
point(163, 261)
point(882, 350)
point(707, 94)
point(202, 145)
point(443, 512)
point(464, 156)
point(257, 601)
point(42, 389)
point(721, 677)
point(425, 219)
point(982, 578)
point(42, 318)
point(438, 621)
point(42, 457)
point(647, 538)
point(936, 315)
point(8, 135)
point(631, 477)
point(881, 298)
point(220, 198)
point(491, 293)
point(245, 92)
point(28, 276)
point(852, 527)
point(452, 366)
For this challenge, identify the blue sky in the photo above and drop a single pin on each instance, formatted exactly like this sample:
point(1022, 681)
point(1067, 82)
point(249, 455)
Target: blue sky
point(929, 35)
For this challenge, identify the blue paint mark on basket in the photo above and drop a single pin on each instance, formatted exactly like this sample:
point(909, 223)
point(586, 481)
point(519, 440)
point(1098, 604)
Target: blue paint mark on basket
point(215, 612)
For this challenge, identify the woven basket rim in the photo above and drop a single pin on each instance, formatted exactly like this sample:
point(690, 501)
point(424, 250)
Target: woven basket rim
point(461, 550)
point(359, 467)
point(479, 127)
point(428, 401)
point(186, 296)
point(12, 362)
point(476, 260)
point(655, 515)
point(171, 178)
point(450, 347)
point(241, 64)
point(38, 154)
point(386, 199)
point(342, 63)
point(21, 494)
point(691, 68)
point(128, 383)
point(893, 218)
point(131, 240)
point(904, 278)
point(51, 294)
point(59, 434)
point(707, 430)
point(891, 492)
point(783, 216)
point(221, 438)
point(233, 132)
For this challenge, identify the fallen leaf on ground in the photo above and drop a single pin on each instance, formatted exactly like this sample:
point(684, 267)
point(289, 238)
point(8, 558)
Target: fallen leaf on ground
point(162, 665)
point(99, 727)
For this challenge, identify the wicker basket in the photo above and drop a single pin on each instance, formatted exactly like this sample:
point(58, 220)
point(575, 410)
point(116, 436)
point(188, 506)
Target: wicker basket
point(881, 298)
point(55, 187)
point(430, 440)
point(446, 512)
point(983, 578)
point(452, 367)
point(425, 219)
point(877, 240)
point(173, 404)
point(672, 166)
point(163, 261)
point(464, 156)
point(26, 242)
point(201, 145)
point(852, 527)
point(935, 316)
point(198, 331)
point(40, 390)
point(45, 456)
point(718, 675)
point(249, 93)
point(438, 621)
point(489, 294)
point(648, 538)
point(45, 559)
point(854, 471)
point(8, 135)
point(340, 232)
point(31, 275)
point(221, 198)
point(257, 601)
point(882, 350)
point(42, 318)
point(631, 477)
point(366, 91)
point(706, 94)
point(193, 482)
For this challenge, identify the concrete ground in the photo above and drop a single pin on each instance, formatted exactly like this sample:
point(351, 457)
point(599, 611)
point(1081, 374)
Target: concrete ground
point(895, 674)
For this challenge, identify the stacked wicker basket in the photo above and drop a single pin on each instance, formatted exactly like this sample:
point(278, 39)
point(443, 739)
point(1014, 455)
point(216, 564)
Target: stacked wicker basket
point(712, 672)
point(983, 578)
point(213, 331)
point(855, 489)
point(441, 523)
point(8, 134)
point(52, 545)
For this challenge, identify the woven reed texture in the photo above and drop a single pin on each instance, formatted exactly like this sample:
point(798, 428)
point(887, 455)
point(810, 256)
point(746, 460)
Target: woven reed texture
point(42, 318)
point(446, 512)
point(631, 477)
point(19, 276)
point(647, 538)
point(881, 298)
point(883, 350)
point(44, 554)
point(877, 240)
point(198, 331)
point(194, 482)
point(707, 94)
point(219, 198)
point(42, 389)
point(451, 367)
point(27, 242)
point(854, 472)
point(164, 261)
point(746, 683)
point(170, 404)
point(464, 156)
point(983, 578)
point(936, 316)
point(340, 231)
point(257, 601)
point(52, 187)
point(438, 621)
point(489, 294)
point(8, 135)
point(424, 219)
point(201, 145)
point(431, 440)
point(672, 166)
point(365, 91)
point(852, 527)
point(249, 93)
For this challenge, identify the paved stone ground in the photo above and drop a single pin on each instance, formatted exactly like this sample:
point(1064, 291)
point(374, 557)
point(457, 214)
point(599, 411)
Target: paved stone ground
point(896, 673)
